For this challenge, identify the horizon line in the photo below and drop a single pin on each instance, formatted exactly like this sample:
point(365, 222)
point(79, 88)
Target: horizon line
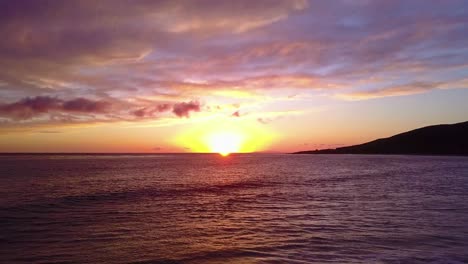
point(132, 153)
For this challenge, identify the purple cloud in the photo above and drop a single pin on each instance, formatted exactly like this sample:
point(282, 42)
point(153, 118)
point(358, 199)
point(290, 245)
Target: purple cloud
point(163, 107)
point(183, 109)
point(30, 107)
point(151, 111)
point(86, 106)
point(33, 106)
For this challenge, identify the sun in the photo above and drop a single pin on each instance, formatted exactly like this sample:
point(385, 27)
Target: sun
point(224, 137)
point(225, 143)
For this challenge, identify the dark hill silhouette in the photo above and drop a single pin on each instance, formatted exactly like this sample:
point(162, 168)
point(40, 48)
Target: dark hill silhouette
point(432, 140)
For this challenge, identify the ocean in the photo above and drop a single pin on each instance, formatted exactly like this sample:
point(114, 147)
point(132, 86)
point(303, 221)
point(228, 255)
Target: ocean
point(244, 208)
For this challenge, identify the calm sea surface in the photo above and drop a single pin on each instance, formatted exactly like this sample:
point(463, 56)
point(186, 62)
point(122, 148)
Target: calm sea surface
point(239, 209)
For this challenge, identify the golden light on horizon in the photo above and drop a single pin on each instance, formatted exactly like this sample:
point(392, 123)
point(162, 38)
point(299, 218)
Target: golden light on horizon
point(225, 143)
point(224, 137)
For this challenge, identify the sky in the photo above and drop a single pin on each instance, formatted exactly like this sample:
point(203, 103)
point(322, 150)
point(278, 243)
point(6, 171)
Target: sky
point(227, 76)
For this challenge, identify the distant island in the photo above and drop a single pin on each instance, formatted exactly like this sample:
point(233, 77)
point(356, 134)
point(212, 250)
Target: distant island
point(431, 140)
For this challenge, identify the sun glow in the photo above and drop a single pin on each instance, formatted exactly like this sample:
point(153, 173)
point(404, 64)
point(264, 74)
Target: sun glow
point(224, 137)
point(225, 143)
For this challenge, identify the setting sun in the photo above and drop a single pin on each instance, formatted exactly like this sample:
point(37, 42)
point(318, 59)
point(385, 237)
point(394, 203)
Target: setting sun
point(225, 143)
point(224, 137)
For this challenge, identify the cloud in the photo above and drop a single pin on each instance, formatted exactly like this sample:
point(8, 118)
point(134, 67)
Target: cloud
point(249, 87)
point(151, 110)
point(264, 120)
point(53, 32)
point(70, 110)
point(183, 109)
point(42, 48)
point(86, 106)
point(163, 107)
point(209, 16)
point(33, 106)
point(113, 61)
point(406, 89)
point(29, 107)
point(50, 132)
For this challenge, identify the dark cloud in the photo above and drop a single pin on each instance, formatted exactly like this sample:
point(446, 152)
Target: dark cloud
point(71, 110)
point(152, 110)
point(33, 106)
point(30, 107)
point(163, 107)
point(86, 106)
point(183, 109)
point(140, 112)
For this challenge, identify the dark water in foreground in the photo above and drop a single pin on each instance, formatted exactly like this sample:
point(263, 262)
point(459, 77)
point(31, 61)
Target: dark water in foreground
point(240, 209)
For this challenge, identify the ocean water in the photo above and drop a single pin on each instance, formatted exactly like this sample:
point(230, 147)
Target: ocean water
point(240, 209)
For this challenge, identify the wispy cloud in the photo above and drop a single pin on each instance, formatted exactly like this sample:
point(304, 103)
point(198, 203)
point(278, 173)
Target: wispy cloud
point(406, 89)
